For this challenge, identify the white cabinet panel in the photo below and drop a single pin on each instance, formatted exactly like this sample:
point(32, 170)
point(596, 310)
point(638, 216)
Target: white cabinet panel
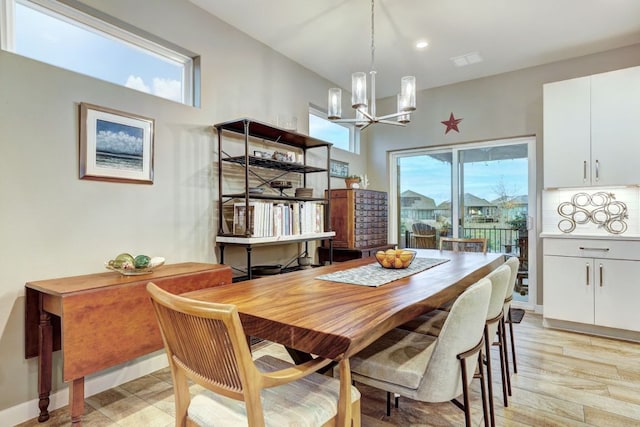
point(568, 289)
point(594, 282)
point(617, 292)
point(592, 130)
point(567, 135)
point(592, 248)
point(615, 127)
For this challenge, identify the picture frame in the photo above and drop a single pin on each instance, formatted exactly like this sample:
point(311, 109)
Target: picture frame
point(338, 169)
point(115, 146)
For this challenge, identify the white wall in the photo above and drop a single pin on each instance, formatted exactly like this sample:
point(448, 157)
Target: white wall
point(53, 224)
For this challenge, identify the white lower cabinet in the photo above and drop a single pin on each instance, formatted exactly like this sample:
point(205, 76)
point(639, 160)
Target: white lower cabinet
point(617, 293)
point(594, 288)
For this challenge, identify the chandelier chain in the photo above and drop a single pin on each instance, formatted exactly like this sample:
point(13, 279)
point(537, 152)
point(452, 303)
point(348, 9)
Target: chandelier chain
point(373, 46)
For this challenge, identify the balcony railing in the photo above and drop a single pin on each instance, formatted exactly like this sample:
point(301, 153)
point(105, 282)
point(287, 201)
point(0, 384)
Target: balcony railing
point(498, 239)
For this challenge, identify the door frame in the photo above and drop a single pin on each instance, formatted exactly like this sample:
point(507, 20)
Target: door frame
point(394, 197)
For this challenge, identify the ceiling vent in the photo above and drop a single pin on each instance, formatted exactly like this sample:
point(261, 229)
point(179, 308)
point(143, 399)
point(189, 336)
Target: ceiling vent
point(466, 59)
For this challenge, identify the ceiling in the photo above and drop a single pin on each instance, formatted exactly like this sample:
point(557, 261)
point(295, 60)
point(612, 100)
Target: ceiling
point(333, 37)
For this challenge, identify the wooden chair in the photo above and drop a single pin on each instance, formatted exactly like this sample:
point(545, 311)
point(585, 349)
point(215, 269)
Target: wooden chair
point(206, 344)
point(425, 235)
point(433, 322)
point(430, 369)
point(463, 244)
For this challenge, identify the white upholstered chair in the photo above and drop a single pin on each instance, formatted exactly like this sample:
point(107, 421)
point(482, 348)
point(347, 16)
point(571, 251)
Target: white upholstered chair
point(432, 323)
point(514, 265)
point(206, 344)
point(427, 368)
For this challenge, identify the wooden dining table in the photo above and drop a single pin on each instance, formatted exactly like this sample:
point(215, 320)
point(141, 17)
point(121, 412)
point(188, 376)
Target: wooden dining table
point(336, 320)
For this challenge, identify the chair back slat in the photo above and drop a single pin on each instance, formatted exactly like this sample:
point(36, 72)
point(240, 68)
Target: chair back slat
point(204, 343)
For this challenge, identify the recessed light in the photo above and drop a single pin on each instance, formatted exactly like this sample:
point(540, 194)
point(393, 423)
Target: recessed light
point(421, 44)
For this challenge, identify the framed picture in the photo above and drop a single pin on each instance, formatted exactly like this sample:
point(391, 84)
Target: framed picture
point(338, 169)
point(115, 146)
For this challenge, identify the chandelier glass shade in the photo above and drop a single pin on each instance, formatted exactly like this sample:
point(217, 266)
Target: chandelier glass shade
point(365, 113)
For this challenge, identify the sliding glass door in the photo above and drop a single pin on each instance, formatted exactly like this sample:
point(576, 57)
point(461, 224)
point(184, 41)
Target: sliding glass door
point(470, 190)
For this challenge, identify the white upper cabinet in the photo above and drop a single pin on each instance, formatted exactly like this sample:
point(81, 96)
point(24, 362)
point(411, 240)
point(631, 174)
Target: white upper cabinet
point(567, 135)
point(592, 130)
point(615, 126)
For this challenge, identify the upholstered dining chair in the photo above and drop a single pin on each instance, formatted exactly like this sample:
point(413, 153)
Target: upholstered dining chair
point(432, 323)
point(514, 265)
point(427, 368)
point(463, 244)
point(206, 344)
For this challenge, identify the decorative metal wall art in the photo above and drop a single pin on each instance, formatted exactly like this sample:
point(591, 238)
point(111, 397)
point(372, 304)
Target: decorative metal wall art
point(600, 208)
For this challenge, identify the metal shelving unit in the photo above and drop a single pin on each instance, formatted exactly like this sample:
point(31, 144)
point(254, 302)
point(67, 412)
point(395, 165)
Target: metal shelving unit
point(255, 130)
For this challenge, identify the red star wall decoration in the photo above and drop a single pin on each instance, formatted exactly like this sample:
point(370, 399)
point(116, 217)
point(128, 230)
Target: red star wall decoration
point(451, 124)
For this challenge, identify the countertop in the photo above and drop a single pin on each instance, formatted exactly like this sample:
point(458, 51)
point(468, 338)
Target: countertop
point(624, 236)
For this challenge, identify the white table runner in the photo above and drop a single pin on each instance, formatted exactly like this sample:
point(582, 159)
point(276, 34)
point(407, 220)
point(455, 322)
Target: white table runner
point(375, 275)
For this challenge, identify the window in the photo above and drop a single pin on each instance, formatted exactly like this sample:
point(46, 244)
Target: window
point(468, 190)
point(79, 41)
point(341, 135)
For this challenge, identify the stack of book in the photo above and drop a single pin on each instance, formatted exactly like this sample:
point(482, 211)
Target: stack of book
point(267, 219)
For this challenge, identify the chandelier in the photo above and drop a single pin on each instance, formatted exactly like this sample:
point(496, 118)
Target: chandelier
point(365, 114)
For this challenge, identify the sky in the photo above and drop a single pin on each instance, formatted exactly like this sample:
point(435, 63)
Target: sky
point(42, 37)
point(432, 178)
point(119, 138)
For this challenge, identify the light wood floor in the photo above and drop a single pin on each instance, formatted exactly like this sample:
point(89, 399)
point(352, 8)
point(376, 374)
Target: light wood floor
point(564, 379)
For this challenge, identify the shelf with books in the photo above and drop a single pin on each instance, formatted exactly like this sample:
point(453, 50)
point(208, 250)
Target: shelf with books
point(273, 216)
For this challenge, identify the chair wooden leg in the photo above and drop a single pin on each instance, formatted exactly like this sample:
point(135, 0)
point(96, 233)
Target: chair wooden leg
point(465, 394)
point(513, 344)
point(483, 394)
point(388, 404)
point(396, 401)
point(505, 356)
point(504, 367)
point(487, 357)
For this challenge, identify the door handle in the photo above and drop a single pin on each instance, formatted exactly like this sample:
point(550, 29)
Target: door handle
point(587, 274)
point(600, 275)
point(597, 170)
point(584, 171)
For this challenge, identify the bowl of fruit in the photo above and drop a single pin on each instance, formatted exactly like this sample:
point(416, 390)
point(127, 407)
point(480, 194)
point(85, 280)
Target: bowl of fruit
point(395, 258)
point(128, 265)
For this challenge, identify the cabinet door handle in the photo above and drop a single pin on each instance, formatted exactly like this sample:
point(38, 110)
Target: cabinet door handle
point(583, 248)
point(600, 275)
point(587, 274)
point(597, 170)
point(584, 171)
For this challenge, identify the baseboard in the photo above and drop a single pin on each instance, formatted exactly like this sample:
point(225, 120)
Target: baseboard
point(621, 334)
point(94, 384)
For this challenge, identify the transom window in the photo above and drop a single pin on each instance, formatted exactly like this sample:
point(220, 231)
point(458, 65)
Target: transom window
point(76, 40)
point(341, 135)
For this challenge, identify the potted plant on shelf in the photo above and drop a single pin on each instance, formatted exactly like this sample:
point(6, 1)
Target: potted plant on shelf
point(352, 181)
